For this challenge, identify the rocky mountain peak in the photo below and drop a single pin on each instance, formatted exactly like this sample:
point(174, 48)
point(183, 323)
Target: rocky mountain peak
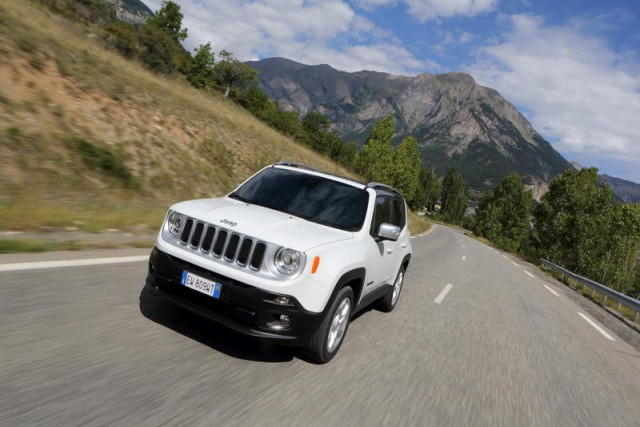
point(456, 121)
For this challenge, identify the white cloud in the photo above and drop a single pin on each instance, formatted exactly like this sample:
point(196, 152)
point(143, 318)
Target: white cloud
point(373, 4)
point(450, 38)
point(425, 10)
point(311, 31)
point(578, 91)
point(465, 37)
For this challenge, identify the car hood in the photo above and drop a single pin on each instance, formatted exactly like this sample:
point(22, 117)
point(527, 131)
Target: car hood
point(263, 223)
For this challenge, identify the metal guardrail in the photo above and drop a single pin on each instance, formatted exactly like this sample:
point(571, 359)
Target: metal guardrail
point(625, 300)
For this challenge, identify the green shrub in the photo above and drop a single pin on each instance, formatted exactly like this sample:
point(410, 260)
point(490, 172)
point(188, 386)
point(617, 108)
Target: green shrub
point(105, 161)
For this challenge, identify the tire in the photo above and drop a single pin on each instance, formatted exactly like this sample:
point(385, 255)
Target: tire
point(389, 301)
point(327, 340)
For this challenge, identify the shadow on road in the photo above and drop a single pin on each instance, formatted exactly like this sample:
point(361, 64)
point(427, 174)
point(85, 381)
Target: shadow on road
point(210, 333)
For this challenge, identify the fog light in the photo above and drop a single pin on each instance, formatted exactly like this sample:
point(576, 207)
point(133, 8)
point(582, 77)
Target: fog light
point(280, 322)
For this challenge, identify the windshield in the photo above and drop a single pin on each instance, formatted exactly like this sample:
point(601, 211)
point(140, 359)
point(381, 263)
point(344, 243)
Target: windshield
point(310, 197)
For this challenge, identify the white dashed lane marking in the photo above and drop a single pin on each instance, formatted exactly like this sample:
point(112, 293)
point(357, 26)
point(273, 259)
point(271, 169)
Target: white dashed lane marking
point(551, 290)
point(443, 293)
point(530, 275)
point(597, 327)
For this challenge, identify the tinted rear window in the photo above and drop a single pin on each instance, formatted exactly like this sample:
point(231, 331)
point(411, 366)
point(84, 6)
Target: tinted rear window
point(310, 197)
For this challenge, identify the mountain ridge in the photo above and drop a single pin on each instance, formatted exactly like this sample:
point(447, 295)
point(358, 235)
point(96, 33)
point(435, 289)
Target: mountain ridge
point(134, 11)
point(456, 121)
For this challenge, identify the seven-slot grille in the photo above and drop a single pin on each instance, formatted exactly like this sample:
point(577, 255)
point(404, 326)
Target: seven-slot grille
point(223, 244)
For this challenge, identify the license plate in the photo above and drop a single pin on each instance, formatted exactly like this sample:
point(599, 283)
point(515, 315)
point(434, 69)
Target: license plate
point(201, 284)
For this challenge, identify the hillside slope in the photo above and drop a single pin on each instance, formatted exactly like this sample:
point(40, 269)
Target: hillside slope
point(90, 140)
point(456, 121)
point(627, 191)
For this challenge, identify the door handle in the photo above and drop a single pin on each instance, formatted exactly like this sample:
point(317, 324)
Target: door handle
point(404, 245)
point(390, 250)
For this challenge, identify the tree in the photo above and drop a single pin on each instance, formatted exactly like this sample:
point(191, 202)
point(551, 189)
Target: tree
point(123, 37)
point(169, 20)
point(570, 220)
point(428, 190)
point(287, 122)
point(229, 73)
point(405, 172)
point(617, 262)
point(348, 154)
point(375, 160)
point(504, 215)
point(200, 70)
point(454, 196)
point(159, 51)
point(257, 101)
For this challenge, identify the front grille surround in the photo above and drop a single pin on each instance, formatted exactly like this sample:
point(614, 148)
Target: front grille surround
point(228, 247)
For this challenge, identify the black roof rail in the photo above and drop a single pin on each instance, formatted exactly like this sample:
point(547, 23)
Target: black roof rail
point(296, 165)
point(381, 186)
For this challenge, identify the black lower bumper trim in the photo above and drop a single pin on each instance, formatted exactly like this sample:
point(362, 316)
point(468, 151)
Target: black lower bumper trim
point(241, 307)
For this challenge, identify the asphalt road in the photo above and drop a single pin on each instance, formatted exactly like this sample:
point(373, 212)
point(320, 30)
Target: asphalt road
point(478, 338)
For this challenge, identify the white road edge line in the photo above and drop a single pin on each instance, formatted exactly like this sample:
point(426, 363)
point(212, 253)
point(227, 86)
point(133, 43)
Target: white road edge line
point(504, 256)
point(530, 275)
point(22, 266)
point(443, 294)
point(597, 327)
point(551, 290)
point(514, 263)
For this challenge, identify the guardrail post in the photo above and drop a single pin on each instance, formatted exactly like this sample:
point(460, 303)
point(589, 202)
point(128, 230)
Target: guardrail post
point(593, 292)
point(619, 306)
point(636, 318)
point(605, 300)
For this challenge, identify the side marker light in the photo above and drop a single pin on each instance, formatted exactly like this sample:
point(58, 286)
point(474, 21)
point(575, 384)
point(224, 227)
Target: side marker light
point(316, 263)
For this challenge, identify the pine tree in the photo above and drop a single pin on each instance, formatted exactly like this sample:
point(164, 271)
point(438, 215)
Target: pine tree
point(405, 174)
point(376, 159)
point(454, 196)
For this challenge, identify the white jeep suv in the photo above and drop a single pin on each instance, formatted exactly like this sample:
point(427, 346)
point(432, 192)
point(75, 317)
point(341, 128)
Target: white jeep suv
point(288, 257)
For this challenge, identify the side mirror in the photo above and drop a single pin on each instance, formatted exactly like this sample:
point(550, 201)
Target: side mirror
point(389, 232)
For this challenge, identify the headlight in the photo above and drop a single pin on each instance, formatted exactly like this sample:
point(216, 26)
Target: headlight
point(287, 260)
point(175, 223)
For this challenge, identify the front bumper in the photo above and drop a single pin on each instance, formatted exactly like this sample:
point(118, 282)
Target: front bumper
point(241, 307)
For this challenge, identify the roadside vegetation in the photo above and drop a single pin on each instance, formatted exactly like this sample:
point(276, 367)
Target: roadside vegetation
point(578, 224)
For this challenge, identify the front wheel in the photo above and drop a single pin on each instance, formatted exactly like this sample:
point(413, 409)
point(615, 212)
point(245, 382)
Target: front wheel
point(329, 337)
point(389, 301)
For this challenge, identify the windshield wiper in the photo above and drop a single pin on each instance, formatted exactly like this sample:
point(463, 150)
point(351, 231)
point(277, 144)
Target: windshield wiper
point(239, 198)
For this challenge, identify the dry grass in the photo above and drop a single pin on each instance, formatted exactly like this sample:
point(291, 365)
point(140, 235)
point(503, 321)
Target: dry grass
point(152, 140)
point(417, 223)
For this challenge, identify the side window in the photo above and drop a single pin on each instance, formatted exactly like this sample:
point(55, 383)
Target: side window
point(381, 214)
point(398, 214)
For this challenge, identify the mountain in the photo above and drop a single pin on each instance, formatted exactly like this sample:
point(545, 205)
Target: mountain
point(133, 11)
point(627, 191)
point(456, 121)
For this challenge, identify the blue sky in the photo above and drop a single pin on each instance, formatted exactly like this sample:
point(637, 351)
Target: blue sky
point(572, 67)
